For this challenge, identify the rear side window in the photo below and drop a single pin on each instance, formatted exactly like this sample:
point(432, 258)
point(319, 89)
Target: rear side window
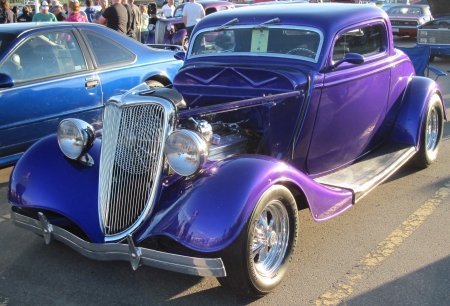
point(106, 51)
point(366, 41)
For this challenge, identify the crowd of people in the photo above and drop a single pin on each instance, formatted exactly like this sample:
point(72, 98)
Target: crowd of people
point(123, 15)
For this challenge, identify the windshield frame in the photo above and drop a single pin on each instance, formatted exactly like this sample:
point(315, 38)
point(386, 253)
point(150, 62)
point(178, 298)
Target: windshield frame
point(259, 54)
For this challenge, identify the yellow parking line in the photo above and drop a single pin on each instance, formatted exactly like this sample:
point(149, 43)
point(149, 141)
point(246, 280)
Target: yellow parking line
point(343, 289)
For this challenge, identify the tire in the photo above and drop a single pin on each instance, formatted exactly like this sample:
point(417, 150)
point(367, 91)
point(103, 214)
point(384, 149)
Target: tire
point(257, 261)
point(431, 58)
point(153, 83)
point(431, 134)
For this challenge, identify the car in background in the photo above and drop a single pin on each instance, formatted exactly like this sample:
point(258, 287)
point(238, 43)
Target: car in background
point(390, 3)
point(436, 33)
point(172, 31)
point(276, 108)
point(406, 18)
point(51, 71)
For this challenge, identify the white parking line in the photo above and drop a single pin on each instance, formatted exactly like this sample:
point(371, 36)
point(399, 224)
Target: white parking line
point(342, 289)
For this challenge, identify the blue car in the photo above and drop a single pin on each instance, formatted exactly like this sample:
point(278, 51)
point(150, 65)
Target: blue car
point(51, 71)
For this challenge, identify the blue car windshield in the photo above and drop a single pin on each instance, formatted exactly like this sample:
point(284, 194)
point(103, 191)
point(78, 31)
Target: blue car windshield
point(300, 42)
point(5, 40)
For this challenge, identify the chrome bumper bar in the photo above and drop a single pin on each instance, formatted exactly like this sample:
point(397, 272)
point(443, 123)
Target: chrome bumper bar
point(118, 251)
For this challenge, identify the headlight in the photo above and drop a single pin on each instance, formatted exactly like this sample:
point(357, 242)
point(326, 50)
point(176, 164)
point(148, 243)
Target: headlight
point(75, 137)
point(186, 152)
point(169, 27)
point(423, 40)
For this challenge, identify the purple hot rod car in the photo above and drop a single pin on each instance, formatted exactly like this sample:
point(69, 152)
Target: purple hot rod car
point(275, 108)
point(172, 31)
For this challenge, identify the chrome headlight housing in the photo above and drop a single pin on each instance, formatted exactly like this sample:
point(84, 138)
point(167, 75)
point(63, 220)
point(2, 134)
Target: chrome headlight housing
point(186, 152)
point(75, 137)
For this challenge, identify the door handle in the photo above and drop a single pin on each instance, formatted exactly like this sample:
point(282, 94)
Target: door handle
point(91, 83)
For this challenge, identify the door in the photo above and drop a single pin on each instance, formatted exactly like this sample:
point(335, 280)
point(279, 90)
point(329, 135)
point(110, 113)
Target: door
point(52, 82)
point(354, 101)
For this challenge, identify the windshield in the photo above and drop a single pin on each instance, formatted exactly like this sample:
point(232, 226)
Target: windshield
point(5, 40)
point(299, 42)
point(405, 10)
point(178, 12)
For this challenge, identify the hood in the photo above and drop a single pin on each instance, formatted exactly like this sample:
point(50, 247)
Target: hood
point(439, 8)
point(207, 85)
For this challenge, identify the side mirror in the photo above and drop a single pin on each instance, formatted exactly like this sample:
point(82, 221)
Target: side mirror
point(180, 55)
point(352, 58)
point(6, 81)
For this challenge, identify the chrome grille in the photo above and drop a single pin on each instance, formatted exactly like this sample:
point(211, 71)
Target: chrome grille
point(159, 32)
point(130, 163)
point(439, 37)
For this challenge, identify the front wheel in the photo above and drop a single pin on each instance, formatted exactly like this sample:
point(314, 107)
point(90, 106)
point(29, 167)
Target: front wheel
point(431, 134)
point(257, 261)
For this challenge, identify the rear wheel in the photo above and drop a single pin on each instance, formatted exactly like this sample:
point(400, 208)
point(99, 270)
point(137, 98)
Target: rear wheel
point(431, 134)
point(257, 261)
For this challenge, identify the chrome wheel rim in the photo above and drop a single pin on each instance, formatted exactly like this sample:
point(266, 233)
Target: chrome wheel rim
point(432, 130)
point(270, 239)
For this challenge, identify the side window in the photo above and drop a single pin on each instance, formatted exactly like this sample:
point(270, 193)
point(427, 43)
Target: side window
point(366, 41)
point(223, 8)
point(210, 11)
point(45, 55)
point(106, 51)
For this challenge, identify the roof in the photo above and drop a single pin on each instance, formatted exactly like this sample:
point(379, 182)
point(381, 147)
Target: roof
point(19, 27)
point(328, 17)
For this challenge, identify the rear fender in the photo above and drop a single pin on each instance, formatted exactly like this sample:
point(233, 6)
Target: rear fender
point(44, 178)
point(177, 38)
point(414, 107)
point(207, 213)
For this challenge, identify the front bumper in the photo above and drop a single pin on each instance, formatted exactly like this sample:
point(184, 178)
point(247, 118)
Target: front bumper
point(411, 31)
point(118, 251)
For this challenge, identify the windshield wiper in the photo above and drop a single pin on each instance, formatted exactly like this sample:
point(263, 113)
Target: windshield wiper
point(227, 24)
point(263, 25)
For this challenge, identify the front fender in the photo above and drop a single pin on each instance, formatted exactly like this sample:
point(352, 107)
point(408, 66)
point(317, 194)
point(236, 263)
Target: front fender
point(207, 213)
point(414, 107)
point(45, 179)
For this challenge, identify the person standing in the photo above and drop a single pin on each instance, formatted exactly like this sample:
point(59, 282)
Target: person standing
point(65, 8)
point(26, 16)
point(168, 9)
point(104, 5)
point(90, 11)
point(115, 17)
point(130, 21)
point(192, 13)
point(137, 19)
point(57, 11)
point(74, 13)
point(6, 15)
point(44, 15)
point(144, 24)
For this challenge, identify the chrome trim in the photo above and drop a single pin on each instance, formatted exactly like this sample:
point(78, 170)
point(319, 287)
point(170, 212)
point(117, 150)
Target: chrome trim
point(139, 144)
point(270, 239)
point(432, 130)
point(127, 252)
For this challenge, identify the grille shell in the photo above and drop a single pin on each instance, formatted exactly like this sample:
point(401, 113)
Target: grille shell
point(131, 162)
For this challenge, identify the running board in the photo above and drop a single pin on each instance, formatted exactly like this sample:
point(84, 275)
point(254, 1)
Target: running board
point(366, 174)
